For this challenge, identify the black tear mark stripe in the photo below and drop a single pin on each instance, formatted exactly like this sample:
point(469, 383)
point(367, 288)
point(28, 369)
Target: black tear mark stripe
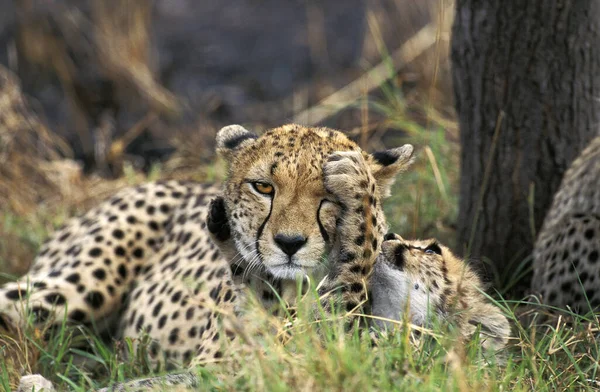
point(321, 227)
point(262, 227)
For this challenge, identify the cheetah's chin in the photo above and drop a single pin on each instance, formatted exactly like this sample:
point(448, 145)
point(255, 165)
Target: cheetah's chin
point(288, 271)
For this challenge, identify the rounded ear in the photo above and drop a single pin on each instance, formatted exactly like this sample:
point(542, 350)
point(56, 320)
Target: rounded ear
point(233, 137)
point(387, 164)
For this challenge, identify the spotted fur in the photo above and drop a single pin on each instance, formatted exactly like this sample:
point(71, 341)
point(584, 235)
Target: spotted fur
point(566, 265)
point(160, 259)
point(421, 279)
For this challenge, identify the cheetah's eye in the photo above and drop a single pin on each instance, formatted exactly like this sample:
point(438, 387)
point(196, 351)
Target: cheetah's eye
point(433, 249)
point(263, 188)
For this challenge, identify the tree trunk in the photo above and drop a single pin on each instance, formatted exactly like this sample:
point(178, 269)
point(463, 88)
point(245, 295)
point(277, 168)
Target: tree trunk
point(526, 78)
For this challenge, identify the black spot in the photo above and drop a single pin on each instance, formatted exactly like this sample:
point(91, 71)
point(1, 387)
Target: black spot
point(77, 315)
point(157, 308)
point(160, 194)
point(192, 332)
point(118, 234)
point(122, 270)
point(140, 323)
point(39, 285)
point(64, 236)
point(593, 256)
point(131, 219)
point(139, 203)
point(138, 253)
point(161, 321)
point(589, 234)
point(176, 297)
point(95, 299)
point(356, 269)
point(153, 225)
point(350, 306)
point(164, 208)
point(80, 288)
point(174, 335)
point(55, 299)
point(150, 210)
point(347, 257)
point(360, 240)
point(214, 292)
point(54, 273)
point(189, 313)
point(14, 295)
point(120, 251)
point(356, 287)
point(589, 293)
point(99, 274)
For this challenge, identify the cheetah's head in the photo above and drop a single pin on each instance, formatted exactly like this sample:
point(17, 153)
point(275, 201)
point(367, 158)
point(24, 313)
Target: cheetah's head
point(423, 278)
point(280, 216)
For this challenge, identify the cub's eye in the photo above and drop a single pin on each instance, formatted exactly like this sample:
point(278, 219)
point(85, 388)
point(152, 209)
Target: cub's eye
point(263, 188)
point(433, 249)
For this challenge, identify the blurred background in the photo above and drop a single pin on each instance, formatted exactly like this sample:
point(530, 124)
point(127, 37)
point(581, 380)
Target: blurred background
point(96, 95)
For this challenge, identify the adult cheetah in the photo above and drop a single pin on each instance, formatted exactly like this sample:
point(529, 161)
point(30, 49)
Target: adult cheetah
point(566, 265)
point(350, 227)
point(416, 280)
point(153, 258)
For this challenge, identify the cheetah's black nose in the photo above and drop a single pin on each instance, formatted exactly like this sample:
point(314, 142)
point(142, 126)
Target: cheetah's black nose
point(290, 244)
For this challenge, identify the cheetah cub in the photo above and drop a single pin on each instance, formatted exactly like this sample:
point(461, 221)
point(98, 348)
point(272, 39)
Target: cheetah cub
point(424, 279)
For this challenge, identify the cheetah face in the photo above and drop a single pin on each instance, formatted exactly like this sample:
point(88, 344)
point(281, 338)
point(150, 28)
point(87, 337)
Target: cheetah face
point(423, 279)
point(410, 276)
point(281, 218)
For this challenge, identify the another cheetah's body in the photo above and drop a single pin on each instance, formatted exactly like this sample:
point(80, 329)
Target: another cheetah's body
point(131, 261)
point(566, 267)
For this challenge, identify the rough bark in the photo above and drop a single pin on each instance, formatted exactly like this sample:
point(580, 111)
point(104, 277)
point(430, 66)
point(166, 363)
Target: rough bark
point(526, 78)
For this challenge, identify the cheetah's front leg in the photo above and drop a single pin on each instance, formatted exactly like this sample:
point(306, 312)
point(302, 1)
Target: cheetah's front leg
point(360, 227)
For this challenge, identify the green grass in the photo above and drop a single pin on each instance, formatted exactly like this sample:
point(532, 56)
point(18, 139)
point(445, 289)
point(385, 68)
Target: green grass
point(311, 356)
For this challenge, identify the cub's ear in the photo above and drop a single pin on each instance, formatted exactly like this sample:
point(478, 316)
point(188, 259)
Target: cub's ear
point(233, 137)
point(387, 164)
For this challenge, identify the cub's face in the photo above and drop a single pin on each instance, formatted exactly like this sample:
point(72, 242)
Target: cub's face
point(417, 277)
point(423, 278)
point(280, 216)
